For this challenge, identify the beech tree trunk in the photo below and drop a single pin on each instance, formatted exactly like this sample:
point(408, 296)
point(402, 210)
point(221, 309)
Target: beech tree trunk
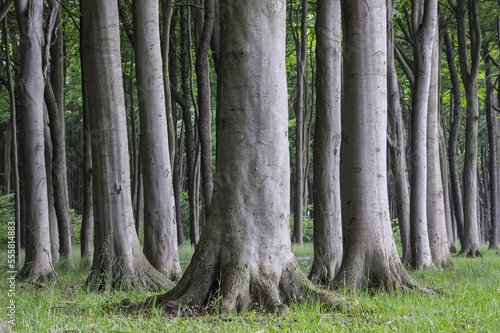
point(244, 254)
point(456, 189)
point(326, 186)
point(470, 71)
point(398, 142)
point(424, 20)
point(118, 258)
point(370, 255)
point(160, 233)
point(38, 261)
point(436, 218)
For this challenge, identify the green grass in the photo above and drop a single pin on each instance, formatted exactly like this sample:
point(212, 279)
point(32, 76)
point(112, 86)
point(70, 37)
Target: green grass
point(470, 303)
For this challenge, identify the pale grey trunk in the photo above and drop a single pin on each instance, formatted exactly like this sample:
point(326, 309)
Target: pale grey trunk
point(370, 255)
point(38, 261)
point(160, 238)
point(436, 218)
point(326, 186)
point(118, 259)
point(398, 139)
point(245, 245)
point(450, 223)
point(53, 225)
point(300, 105)
point(470, 72)
point(424, 27)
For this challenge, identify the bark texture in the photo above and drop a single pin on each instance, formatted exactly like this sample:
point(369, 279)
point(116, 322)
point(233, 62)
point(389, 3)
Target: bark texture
point(160, 229)
point(118, 258)
point(38, 261)
point(370, 255)
point(326, 186)
point(245, 249)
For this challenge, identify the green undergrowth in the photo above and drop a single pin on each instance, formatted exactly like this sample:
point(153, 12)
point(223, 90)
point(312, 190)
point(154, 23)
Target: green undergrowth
point(468, 301)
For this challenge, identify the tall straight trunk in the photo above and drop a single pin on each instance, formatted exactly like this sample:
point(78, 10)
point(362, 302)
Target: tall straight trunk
point(470, 71)
point(424, 28)
point(7, 149)
point(118, 259)
point(370, 255)
point(452, 241)
point(398, 138)
point(300, 105)
point(204, 105)
point(492, 161)
point(38, 261)
point(456, 120)
point(59, 174)
point(53, 224)
point(246, 245)
point(87, 230)
point(326, 186)
point(188, 124)
point(160, 238)
point(14, 145)
point(436, 218)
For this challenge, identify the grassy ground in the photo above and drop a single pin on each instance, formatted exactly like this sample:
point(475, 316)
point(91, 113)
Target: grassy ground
point(470, 303)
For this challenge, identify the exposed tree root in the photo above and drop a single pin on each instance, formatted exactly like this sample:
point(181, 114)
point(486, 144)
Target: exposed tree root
point(470, 252)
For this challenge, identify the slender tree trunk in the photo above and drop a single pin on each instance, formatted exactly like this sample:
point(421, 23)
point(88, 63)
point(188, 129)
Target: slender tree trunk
point(452, 241)
point(326, 186)
point(118, 258)
point(160, 239)
point(424, 29)
point(246, 245)
point(470, 71)
point(14, 145)
point(204, 104)
point(38, 261)
point(436, 218)
point(398, 139)
point(456, 120)
point(370, 255)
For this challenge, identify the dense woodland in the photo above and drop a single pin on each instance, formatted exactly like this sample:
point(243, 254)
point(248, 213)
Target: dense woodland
point(130, 127)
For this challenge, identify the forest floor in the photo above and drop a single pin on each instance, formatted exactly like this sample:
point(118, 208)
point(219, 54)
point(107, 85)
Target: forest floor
point(469, 302)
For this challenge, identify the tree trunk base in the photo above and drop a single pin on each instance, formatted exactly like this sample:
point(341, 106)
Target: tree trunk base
point(239, 286)
point(32, 272)
point(472, 252)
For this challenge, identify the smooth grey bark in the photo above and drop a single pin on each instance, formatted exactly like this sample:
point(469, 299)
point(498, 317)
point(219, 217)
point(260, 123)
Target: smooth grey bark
point(160, 233)
point(469, 72)
point(492, 159)
point(450, 224)
point(118, 259)
point(205, 105)
point(370, 255)
point(38, 261)
point(436, 218)
point(398, 142)
point(4, 8)
point(59, 174)
point(300, 115)
point(326, 151)
point(244, 255)
point(456, 119)
point(424, 20)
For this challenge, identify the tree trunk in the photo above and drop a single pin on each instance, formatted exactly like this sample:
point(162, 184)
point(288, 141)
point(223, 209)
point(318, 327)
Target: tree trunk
point(244, 254)
point(456, 120)
point(160, 238)
point(470, 71)
point(436, 218)
point(398, 138)
point(424, 28)
point(370, 255)
point(326, 186)
point(452, 241)
point(118, 259)
point(38, 261)
point(493, 166)
point(204, 105)
point(14, 146)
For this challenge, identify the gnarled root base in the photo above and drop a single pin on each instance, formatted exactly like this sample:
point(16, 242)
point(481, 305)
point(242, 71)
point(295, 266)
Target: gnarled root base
point(237, 288)
point(471, 252)
point(126, 279)
point(31, 272)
